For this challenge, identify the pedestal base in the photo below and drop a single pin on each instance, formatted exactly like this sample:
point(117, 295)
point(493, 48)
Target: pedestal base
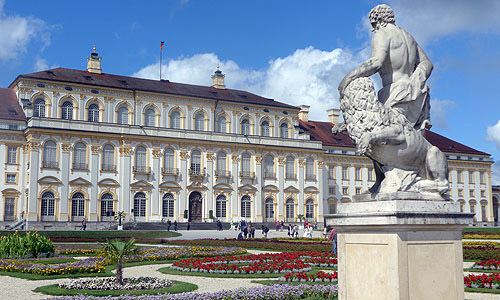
point(400, 250)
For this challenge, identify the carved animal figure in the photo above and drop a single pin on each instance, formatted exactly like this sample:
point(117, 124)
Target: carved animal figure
point(404, 160)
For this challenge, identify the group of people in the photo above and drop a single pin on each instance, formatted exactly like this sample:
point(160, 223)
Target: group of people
point(169, 224)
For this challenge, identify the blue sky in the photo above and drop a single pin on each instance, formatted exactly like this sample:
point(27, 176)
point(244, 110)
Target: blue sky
point(294, 51)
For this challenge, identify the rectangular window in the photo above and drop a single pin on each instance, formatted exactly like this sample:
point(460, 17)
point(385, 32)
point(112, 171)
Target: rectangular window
point(331, 190)
point(220, 209)
point(472, 208)
point(358, 191)
point(357, 173)
point(10, 178)
point(471, 193)
point(483, 193)
point(332, 208)
point(483, 213)
point(482, 178)
point(471, 177)
point(12, 155)
point(331, 172)
point(345, 191)
point(459, 177)
point(345, 173)
point(370, 174)
point(460, 193)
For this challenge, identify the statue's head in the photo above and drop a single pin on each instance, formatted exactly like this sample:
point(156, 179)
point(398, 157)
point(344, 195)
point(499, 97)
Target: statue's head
point(380, 16)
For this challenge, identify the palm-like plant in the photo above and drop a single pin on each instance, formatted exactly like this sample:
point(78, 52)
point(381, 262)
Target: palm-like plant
point(120, 216)
point(115, 252)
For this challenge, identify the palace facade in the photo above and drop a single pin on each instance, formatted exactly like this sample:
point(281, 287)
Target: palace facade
point(85, 144)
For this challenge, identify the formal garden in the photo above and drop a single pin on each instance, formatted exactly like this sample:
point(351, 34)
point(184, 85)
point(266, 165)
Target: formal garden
point(274, 268)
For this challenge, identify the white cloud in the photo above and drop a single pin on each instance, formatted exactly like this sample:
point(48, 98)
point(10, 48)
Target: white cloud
point(439, 112)
point(41, 64)
point(16, 32)
point(307, 76)
point(430, 19)
point(493, 133)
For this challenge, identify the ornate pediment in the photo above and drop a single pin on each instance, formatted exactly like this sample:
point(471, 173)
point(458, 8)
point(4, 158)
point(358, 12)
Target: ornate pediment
point(80, 181)
point(270, 188)
point(141, 184)
point(196, 186)
point(222, 187)
point(291, 190)
point(49, 180)
point(170, 186)
point(11, 192)
point(108, 182)
point(311, 190)
point(247, 188)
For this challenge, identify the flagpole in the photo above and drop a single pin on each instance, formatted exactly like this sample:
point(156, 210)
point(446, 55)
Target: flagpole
point(160, 60)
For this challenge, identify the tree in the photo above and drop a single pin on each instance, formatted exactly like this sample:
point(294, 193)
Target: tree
point(120, 216)
point(115, 252)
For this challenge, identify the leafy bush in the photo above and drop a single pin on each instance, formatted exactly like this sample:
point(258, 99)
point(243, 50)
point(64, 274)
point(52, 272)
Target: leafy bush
point(30, 245)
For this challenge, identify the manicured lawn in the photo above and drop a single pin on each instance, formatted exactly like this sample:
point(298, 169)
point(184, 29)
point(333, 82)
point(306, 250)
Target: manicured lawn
point(482, 271)
point(178, 287)
point(143, 234)
point(489, 291)
point(484, 229)
point(168, 270)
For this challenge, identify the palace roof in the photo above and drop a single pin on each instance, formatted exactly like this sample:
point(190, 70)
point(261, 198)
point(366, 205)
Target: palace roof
point(9, 107)
point(148, 85)
point(322, 131)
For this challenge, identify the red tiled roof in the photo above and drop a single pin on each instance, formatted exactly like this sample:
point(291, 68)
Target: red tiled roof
point(322, 131)
point(133, 83)
point(9, 107)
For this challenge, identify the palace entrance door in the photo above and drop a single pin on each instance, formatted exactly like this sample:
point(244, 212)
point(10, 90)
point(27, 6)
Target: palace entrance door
point(195, 202)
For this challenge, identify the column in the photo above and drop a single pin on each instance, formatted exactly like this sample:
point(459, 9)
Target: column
point(155, 214)
point(65, 169)
point(209, 201)
point(280, 214)
point(81, 109)
point(321, 196)
point(32, 213)
point(183, 179)
point(234, 202)
point(94, 179)
point(125, 170)
point(258, 212)
point(301, 179)
point(189, 118)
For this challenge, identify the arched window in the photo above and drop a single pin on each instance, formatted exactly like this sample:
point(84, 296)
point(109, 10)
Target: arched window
point(309, 209)
point(123, 115)
point(78, 205)
point(149, 118)
point(269, 209)
point(221, 124)
point(49, 155)
point(168, 206)
point(47, 205)
point(196, 162)
point(310, 169)
point(140, 205)
point(108, 158)
point(107, 205)
point(39, 108)
point(80, 157)
point(67, 110)
point(246, 207)
point(175, 120)
point(168, 160)
point(221, 162)
point(284, 130)
point(140, 159)
point(269, 167)
point(264, 128)
point(220, 206)
point(245, 127)
point(245, 165)
point(93, 113)
point(290, 210)
point(199, 122)
point(290, 168)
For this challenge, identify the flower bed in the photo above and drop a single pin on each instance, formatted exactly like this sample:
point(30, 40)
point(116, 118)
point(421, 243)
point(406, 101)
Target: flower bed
point(89, 265)
point(490, 264)
point(109, 284)
point(317, 277)
point(268, 244)
point(170, 253)
point(280, 263)
point(78, 251)
point(273, 292)
point(481, 250)
point(480, 235)
point(484, 281)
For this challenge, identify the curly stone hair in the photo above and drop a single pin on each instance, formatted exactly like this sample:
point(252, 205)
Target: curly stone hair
point(382, 13)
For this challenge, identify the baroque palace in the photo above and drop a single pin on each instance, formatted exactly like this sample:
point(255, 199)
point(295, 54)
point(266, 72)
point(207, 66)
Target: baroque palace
point(85, 144)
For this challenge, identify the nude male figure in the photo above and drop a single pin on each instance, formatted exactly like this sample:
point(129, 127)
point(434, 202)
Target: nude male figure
point(402, 65)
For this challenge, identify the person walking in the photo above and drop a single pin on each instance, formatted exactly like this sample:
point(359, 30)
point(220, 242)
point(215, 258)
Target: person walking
point(84, 224)
point(332, 236)
point(277, 225)
point(245, 232)
point(252, 231)
point(169, 223)
point(189, 225)
point(296, 230)
point(265, 230)
point(290, 228)
point(175, 225)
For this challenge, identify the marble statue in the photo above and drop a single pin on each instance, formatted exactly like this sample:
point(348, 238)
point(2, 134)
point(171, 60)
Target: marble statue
point(389, 127)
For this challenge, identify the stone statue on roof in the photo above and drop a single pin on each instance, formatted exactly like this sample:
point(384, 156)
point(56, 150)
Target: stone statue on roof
point(388, 128)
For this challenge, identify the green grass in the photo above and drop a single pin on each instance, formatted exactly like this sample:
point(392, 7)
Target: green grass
point(489, 291)
point(168, 270)
point(144, 234)
point(482, 271)
point(484, 229)
point(178, 287)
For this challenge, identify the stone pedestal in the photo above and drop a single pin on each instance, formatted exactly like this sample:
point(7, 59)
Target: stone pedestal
point(399, 249)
